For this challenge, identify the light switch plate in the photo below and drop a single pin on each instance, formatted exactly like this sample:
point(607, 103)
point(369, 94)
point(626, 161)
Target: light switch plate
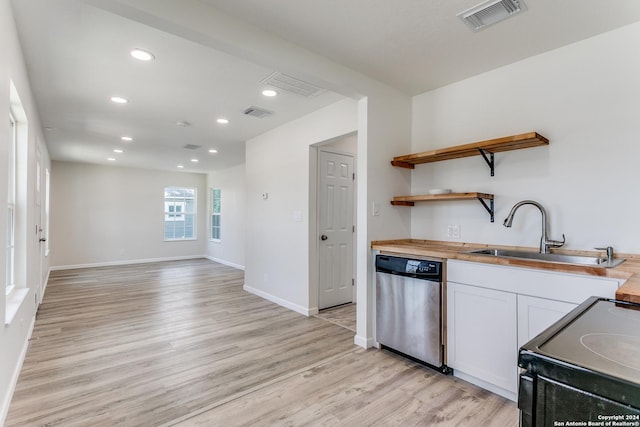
point(375, 210)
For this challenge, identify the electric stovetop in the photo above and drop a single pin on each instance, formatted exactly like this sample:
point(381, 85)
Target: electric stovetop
point(593, 347)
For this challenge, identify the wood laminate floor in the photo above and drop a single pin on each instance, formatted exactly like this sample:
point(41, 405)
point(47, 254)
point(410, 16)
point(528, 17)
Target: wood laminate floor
point(342, 315)
point(180, 343)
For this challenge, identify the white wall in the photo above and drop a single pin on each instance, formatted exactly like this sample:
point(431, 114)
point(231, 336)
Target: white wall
point(277, 246)
point(109, 215)
point(384, 131)
point(279, 249)
point(33, 264)
point(347, 144)
point(230, 249)
point(585, 98)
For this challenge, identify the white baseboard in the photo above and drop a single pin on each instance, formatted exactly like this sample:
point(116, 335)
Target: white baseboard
point(4, 409)
point(363, 342)
point(44, 288)
point(125, 262)
point(221, 261)
point(282, 302)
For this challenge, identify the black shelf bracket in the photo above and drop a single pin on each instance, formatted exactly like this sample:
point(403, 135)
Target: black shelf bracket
point(488, 207)
point(489, 159)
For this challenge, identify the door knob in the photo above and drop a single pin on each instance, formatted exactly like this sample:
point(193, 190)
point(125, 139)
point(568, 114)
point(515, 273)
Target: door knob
point(323, 237)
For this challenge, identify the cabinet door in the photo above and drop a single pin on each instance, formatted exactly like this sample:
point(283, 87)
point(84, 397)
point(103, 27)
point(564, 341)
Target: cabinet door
point(537, 314)
point(481, 333)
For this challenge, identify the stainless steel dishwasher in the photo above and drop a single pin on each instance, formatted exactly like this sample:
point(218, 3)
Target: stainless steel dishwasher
point(409, 308)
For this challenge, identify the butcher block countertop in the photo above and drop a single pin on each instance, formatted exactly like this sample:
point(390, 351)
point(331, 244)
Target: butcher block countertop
point(629, 271)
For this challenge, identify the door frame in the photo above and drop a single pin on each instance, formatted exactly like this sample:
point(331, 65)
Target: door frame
point(38, 206)
point(314, 223)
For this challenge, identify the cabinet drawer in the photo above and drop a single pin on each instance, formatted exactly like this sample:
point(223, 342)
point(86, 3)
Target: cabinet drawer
point(566, 287)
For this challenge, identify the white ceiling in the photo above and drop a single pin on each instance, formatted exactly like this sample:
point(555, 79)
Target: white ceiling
point(419, 45)
point(212, 54)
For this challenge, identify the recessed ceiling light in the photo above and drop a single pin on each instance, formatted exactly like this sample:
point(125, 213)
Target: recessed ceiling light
point(213, 150)
point(111, 159)
point(142, 55)
point(222, 121)
point(126, 138)
point(180, 166)
point(269, 92)
point(194, 160)
point(119, 100)
point(119, 151)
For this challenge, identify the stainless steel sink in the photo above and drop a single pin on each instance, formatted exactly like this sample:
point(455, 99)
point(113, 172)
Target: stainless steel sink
point(557, 258)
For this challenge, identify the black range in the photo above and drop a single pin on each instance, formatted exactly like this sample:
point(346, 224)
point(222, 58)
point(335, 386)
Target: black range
point(585, 369)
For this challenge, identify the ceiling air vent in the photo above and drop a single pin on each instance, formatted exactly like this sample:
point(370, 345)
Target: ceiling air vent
point(292, 84)
point(258, 112)
point(192, 146)
point(490, 12)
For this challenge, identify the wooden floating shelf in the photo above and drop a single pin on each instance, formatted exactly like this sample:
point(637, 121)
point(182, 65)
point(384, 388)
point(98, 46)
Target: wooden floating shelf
point(404, 200)
point(411, 200)
point(508, 143)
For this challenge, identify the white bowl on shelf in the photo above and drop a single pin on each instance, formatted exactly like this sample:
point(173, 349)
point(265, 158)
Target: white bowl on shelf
point(440, 191)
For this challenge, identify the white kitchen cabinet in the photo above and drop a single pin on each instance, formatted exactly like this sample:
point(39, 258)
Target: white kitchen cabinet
point(537, 314)
point(482, 332)
point(574, 288)
point(492, 310)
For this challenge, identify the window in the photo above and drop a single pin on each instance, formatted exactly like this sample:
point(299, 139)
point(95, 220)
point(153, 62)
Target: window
point(174, 210)
point(214, 213)
point(11, 217)
point(179, 213)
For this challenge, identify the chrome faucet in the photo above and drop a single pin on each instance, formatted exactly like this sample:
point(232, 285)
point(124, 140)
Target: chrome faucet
point(545, 242)
point(609, 250)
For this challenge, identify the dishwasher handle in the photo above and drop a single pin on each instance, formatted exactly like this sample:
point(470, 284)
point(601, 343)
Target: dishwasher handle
point(434, 277)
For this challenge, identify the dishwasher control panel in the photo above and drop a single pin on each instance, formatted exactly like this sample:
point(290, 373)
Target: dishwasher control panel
point(423, 269)
point(416, 266)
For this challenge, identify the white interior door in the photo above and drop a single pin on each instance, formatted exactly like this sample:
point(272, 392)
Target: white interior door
point(336, 229)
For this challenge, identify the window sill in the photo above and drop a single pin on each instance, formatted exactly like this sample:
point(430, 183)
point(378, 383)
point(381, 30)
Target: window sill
point(180, 240)
point(15, 298)
point(215, 240)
